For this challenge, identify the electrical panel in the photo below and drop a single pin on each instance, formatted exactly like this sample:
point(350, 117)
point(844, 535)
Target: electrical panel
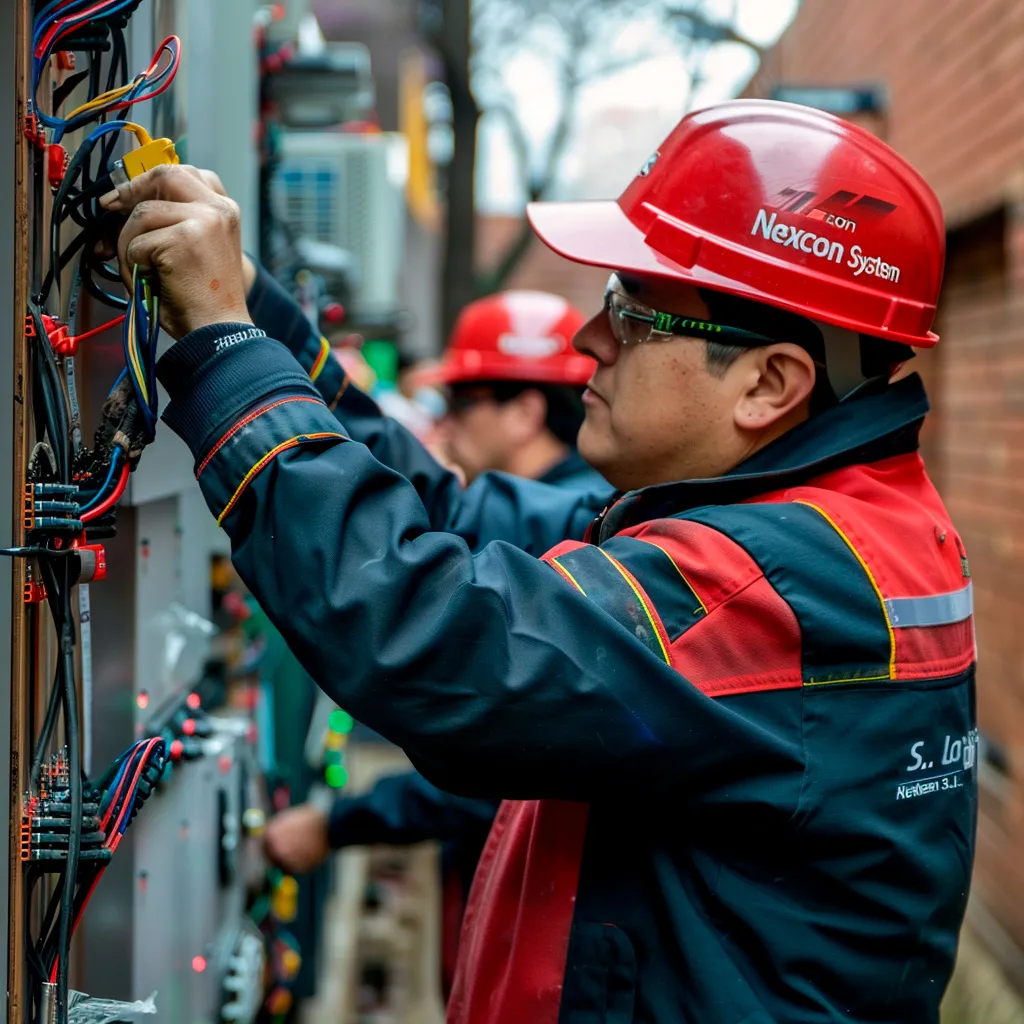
point(136, 797)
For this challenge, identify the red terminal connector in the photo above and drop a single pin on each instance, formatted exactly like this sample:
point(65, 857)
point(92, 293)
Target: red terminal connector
point(177, 749)
point(56, 164)
point(93, 558)
point(66, 60)
point(34, 593)
point(188, 727)
point(33, 131)
point(193, 701)
point(62, 342)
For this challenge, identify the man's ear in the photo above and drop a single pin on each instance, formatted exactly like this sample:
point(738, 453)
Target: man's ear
point(775, 387)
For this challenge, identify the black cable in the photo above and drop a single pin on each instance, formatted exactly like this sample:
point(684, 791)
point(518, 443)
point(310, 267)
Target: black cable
point(53, 396)
point(34, 550)
point(33, 952)
point(46, 732)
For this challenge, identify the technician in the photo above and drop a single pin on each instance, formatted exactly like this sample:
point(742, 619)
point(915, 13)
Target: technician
point(721, 713)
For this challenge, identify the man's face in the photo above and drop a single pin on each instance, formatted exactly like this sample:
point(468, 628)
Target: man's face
point(475, 434)
point(654, 413)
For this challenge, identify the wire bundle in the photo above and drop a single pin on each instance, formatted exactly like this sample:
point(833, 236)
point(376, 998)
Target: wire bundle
point(145, 86)
point(129, 781)
point(92, 26)
point(141, 331)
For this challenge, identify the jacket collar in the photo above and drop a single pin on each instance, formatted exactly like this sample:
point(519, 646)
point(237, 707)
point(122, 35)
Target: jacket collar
point(879, 421)
point(572, 470)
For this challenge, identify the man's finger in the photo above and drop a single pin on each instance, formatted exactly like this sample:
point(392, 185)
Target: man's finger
point(170, 182)
point(147, 217)
point(152, 250)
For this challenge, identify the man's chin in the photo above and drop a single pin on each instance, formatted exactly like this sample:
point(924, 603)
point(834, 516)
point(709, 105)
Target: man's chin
point(599, 453)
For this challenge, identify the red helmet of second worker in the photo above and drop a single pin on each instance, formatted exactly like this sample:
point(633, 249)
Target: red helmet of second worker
point(779, 204)
point(515, 336)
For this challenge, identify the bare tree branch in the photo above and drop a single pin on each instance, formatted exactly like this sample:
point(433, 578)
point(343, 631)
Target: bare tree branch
point(582, 41)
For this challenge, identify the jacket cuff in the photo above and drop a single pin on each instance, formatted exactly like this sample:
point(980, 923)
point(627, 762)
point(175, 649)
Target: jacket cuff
point(337, 821)
point(216, 373)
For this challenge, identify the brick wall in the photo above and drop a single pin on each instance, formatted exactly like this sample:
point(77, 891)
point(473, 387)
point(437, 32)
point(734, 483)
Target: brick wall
point(955, 75)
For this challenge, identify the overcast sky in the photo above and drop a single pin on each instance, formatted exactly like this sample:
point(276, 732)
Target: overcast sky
point(653, 88)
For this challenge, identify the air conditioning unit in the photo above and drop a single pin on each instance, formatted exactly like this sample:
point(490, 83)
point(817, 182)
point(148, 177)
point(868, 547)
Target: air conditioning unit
point(348, 190)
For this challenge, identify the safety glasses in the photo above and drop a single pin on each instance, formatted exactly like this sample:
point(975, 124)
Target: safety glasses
point(633, 323)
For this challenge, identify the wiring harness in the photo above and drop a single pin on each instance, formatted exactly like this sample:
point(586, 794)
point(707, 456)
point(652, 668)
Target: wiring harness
point(71, 827)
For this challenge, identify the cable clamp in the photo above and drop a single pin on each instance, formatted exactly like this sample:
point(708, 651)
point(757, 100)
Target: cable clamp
point(56, 165)
point(33, 130)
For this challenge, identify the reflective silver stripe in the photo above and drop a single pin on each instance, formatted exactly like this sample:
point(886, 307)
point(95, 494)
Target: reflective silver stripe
point(940, 610)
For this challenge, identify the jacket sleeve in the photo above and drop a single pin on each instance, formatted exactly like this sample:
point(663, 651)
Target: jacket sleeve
point(497, 674)
point(496, 506)
point(404, 809)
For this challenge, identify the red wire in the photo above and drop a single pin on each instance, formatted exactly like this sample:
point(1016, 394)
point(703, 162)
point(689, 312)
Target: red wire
point(121, 785)
point(57, 29)
point(114, 839)
point(170, 72)
point(99, 330)
point(109, 502)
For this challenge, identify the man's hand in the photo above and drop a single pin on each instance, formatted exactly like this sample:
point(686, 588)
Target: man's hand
point(189, 234)
point(296, 839)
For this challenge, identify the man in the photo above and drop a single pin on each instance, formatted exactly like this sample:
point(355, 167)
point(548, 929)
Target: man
point(515, 405)
point(734, 723)
point(515, 390)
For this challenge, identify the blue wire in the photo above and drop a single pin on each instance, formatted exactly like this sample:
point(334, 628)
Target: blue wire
point(38, 62)
point(125, 758)
point(114, 456)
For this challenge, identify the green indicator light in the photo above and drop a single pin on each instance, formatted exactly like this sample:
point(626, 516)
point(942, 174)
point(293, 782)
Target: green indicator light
point(340, 721)
point(336, 776)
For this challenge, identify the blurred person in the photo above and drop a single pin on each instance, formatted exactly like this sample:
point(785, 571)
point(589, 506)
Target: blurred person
point(515, 390)
point(515, 404)
point(730, 709)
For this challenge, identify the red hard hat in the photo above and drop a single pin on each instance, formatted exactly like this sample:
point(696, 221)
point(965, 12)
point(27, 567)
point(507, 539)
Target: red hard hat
point(517, 336)
point(776, 203)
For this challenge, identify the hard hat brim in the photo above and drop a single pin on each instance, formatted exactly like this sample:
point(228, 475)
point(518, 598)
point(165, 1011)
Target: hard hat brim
point(600, 234)
point(457, 371)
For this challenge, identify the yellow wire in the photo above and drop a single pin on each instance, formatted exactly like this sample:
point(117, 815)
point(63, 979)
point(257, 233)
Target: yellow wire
point(133, 352)
point(103, 99)
point(139, 132)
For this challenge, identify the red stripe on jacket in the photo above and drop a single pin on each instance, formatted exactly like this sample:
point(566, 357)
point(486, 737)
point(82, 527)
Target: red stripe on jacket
point(744, 613)
point(515, 935)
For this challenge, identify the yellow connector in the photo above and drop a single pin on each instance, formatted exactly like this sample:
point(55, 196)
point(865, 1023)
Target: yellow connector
point(145, 158)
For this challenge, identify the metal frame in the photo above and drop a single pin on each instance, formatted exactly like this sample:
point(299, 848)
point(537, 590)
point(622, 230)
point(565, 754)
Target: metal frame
point(13, 290)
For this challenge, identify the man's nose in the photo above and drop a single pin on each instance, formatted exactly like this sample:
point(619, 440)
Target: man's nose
point(595, 339)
